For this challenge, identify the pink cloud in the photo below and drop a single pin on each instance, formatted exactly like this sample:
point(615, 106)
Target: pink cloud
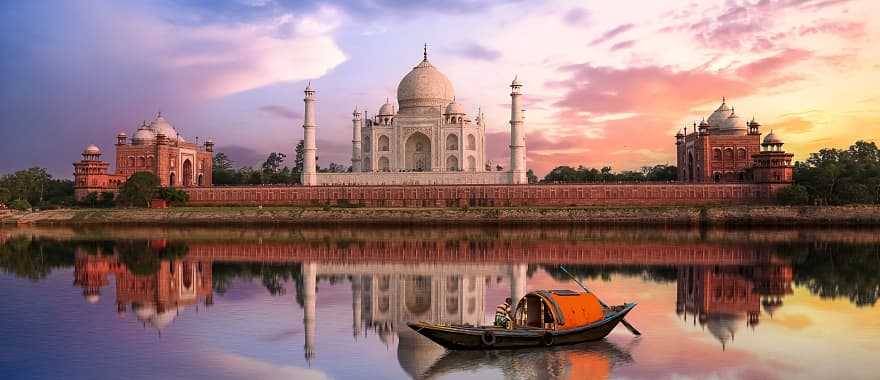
point(765, 67)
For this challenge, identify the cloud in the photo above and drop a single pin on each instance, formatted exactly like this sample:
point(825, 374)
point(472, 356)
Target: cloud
point(762, 68)
point(622, 45)
point(281, 112)
point(612, 33)
point(577, 17)
point(476, 51)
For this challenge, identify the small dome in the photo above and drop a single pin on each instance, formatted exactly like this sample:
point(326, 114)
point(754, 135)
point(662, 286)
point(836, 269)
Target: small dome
point(424, 86)
point(771, 138)
point(121, 135)
point(387, 109)
point(720, 115)
point(143, 135)
point(454, 109)
point(91, 150)
point(93, 298)
point(160, 125)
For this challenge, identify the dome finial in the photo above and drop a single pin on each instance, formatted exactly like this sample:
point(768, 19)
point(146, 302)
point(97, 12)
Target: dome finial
point(723, 100)
point(425, 52)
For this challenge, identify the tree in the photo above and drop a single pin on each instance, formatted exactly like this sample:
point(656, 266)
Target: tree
point(793, 195)
point(139, 189)
point(20, 205)
point(173, 195)
point(660, 173)
point(106, 199)
point(90, 200)
point(531, 176)
point(222, 172)
point(299, 157)
point(5, 195)
point(836, 176)
point(29, 185)
point(273, 163)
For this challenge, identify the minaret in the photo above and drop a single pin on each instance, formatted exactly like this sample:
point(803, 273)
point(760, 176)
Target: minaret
point(310, 168)
point(356, 141)
point(310, 278)
point(517, 136)
point(356, 306)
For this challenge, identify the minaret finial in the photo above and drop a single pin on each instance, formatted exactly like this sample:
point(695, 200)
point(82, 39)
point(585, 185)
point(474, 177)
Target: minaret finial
point(723, 99)
point(425, 51)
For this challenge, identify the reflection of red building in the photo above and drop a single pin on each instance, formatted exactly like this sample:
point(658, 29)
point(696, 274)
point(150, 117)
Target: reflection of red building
point(722, 298)
point(155, 298)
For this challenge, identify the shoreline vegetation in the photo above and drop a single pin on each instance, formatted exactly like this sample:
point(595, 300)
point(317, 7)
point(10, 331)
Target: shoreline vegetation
point(741, 215)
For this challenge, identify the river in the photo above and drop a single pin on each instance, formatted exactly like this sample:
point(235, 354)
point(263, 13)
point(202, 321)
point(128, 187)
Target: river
point(333, 302)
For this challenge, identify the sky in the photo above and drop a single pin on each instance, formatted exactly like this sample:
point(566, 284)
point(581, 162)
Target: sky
point(606, 83)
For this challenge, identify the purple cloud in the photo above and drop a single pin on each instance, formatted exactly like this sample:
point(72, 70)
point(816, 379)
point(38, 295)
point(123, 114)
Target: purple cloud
point(475, 51)
point(281, 111)
point(576, 17)
point(612, 33)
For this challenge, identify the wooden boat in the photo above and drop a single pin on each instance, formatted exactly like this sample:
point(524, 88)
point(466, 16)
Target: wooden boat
point(541, 318)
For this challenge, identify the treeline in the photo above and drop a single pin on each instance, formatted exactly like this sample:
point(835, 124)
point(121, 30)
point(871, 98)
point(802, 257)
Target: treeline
point(837, 176)
point(35, 187)
point(273, 171)
point(569, 174)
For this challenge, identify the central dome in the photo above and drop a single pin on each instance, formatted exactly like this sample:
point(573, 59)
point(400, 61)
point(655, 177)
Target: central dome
point(424, 86)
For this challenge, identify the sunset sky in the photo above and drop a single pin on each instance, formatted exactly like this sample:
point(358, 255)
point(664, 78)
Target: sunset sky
point(607, 83)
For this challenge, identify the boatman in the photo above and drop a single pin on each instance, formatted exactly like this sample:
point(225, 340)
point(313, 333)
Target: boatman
point(502, 314)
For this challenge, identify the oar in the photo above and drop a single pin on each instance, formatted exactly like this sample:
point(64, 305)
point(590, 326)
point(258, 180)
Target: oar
point(625, 323)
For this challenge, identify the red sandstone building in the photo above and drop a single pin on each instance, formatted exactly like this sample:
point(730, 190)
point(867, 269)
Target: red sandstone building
point(724, 148)
point(156, 148)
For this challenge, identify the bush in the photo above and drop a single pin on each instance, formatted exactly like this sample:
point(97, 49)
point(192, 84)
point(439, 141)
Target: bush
point(107, 199)
point(5, 195)
point(20, 205)
point(90, 200)
point(793, 195)
point(173, 195)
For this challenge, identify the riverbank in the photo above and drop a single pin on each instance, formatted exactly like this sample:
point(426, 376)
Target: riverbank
point(861, 215)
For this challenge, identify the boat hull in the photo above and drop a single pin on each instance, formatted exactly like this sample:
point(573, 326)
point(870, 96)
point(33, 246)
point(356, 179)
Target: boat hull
point(484, 338)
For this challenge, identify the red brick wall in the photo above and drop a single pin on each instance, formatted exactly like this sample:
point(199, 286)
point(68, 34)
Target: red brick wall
point(645, 194)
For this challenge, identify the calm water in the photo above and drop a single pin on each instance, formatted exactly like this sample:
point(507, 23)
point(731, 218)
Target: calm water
point(333, 303)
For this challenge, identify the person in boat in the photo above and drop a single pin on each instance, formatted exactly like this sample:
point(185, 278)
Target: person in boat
point(502, 314)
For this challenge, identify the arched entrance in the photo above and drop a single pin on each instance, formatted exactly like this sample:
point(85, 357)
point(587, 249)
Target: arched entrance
point(171, 180)
point(187, 173)
point(200, 180)
point(418, 294)
point(452, 163)
point(418, 153)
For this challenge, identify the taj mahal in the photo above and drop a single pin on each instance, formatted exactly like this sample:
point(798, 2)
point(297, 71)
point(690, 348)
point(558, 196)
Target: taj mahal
point(427, 139)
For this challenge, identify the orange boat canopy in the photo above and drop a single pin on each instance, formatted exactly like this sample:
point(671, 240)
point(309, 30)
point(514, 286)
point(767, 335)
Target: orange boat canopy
point(568, 309)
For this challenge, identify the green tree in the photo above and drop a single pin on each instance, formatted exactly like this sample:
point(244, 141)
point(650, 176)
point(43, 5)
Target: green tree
point(20, 205)
point(106, 199)
point(138, 190)
point(837, 176)
point(29, 185)
point(531, 176)
point(222, 172)
point(5, 195)
point(793, 195)
point(90, 200)
point(660, 173)
point(174, 195)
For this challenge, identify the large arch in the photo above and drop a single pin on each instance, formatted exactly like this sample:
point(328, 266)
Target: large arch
point(417, 152)
point(452, 163)
point(187, 173)
point(418, 294)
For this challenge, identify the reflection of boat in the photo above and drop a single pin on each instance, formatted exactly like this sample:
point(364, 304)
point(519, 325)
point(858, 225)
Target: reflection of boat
point(542, 318)
point(584, 361)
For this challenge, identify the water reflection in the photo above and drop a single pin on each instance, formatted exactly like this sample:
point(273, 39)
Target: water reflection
point(720, 286)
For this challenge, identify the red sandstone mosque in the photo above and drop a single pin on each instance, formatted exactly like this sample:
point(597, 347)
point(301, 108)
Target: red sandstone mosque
point(157, 148)
point(723, 148)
